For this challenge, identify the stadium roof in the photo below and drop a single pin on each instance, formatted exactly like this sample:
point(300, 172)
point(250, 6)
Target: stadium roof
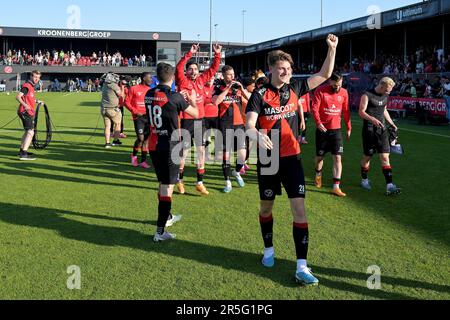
point(223, 43)
point(415, 12)
point(89, 34)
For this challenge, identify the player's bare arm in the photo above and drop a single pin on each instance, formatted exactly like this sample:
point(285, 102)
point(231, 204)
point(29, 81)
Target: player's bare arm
point(253, 133)
point(19, 99)
point(191, 99)
point(363, 114)
point(388, 118)
point(217, 100)
point(328, 66)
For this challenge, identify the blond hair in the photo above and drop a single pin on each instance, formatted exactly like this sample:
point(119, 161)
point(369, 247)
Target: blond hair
point(386, 81)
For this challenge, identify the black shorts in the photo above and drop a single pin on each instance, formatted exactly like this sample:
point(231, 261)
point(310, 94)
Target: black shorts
point(27, 121)
point(290, 173)
point(211, 123)
point(196, 129)
point(234, 137)
point(330, 141)
point(142, 127)
point(375, 140)
point(166, 171)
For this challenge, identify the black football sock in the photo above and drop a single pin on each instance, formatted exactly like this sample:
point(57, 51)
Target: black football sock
point(267, 231)
point(301, 239)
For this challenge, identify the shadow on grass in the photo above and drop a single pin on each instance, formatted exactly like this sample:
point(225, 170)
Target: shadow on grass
point(230, 259)
point(26, 172)
point(90, 104)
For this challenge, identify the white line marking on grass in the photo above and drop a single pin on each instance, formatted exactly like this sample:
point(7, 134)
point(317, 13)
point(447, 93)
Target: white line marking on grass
point(413, 131)
point(55, 131)
point(424, 132)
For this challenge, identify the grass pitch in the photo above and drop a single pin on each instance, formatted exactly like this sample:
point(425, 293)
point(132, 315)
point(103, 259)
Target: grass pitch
point(82, 205)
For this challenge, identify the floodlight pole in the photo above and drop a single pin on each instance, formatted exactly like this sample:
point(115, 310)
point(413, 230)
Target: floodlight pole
point(210, 30)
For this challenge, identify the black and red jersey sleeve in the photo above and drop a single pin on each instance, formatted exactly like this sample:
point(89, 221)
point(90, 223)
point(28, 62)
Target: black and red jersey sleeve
point(217, 91)
point(179, 102)
point(24, 90)
point(255, 102)
point(300, 87)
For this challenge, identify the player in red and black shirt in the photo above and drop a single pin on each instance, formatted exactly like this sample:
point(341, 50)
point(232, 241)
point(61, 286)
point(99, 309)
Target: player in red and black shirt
point(193, 80)
point(330, 103)
point(229, 96)
point(163, 113)
point(135, 103)
point(305, 105)
point(211, 116)
point(250, 85)
point(272, 120)
point(27, 99)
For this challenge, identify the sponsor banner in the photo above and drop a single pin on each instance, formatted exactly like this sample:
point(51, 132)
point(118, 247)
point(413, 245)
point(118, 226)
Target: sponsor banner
point(89, 34)
point(445, 6)
point(355, 25)
point(411, 13)
point(323, 32)
point(2, 87)
point(84, 34)
point(435, 106)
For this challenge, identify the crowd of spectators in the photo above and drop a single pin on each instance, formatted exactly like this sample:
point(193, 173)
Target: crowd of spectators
point(70, 58)
point(423, 60)
point(436, 88)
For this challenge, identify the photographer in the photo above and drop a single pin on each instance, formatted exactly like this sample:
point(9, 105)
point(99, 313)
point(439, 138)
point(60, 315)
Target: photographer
point(111, 93)
point(125, 85)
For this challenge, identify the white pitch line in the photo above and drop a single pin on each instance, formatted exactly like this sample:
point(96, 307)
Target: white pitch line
point(413, 131)
point(58, 131)
point(424, 132)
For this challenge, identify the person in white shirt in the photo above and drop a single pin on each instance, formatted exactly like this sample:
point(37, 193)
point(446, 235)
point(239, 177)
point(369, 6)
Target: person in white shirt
point(419, 67)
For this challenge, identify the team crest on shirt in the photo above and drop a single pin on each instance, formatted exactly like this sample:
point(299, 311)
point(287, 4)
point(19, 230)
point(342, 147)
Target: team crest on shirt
point(340, 99)
point(269, 193)
point(285, 95)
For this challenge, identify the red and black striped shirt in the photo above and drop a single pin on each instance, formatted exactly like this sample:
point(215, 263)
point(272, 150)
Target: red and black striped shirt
point(277, 109)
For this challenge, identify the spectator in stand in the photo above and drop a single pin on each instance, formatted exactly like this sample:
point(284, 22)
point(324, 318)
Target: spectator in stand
point(412, 89)
point(97, 84)
point(428, 67)
point(427, 92)
point(446, 94)
point(420, 67)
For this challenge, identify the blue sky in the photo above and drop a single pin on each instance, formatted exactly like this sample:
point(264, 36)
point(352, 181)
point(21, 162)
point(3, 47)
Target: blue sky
point(192, 17)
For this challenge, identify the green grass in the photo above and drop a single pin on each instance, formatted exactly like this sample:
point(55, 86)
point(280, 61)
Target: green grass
point(81, 205)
